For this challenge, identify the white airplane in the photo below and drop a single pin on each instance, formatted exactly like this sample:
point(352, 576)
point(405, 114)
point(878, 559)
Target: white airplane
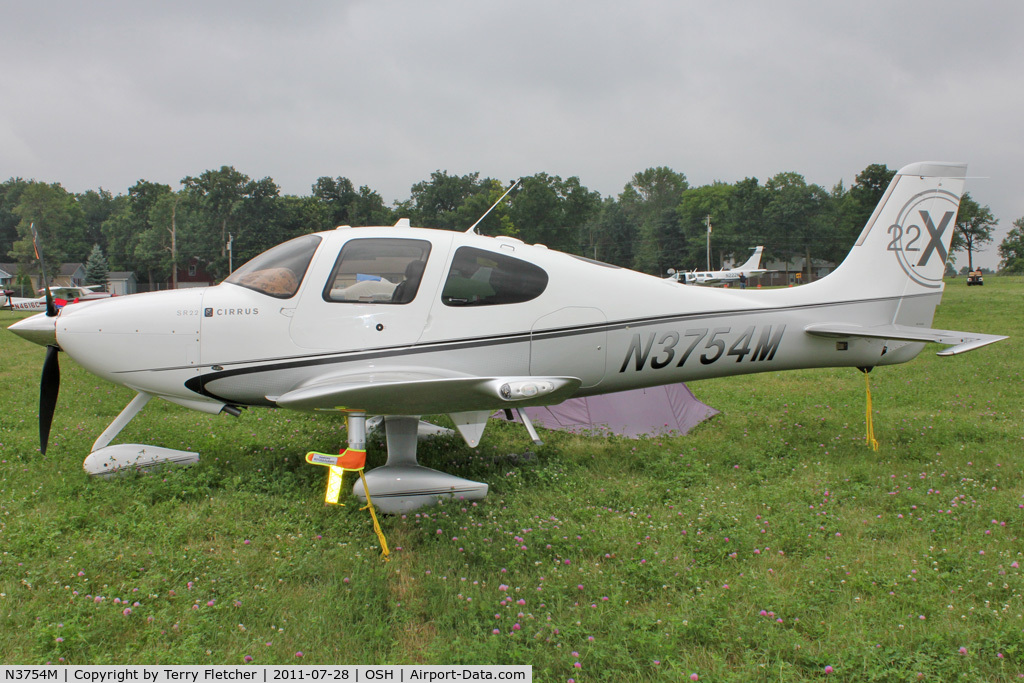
point(403, 322)
point(60, 295)
point(721, 277)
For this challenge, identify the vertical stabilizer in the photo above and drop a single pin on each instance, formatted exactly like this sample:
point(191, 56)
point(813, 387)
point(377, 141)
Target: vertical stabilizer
point(754, 262)
point(903, 248)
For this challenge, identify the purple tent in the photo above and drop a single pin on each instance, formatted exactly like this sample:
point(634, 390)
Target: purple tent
point(652, 411)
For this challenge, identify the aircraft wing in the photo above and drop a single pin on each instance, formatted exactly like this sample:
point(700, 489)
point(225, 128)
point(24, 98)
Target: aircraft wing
point(397, 396)
point(960, 342)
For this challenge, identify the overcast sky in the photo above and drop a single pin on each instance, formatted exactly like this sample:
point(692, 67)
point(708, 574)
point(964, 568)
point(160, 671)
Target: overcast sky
point(100, 94)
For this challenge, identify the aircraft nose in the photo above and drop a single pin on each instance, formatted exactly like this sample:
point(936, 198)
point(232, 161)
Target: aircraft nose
point(39, 329)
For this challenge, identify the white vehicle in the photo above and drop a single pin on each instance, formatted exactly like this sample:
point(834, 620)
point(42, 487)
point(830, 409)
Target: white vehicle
point(721, 277)
point(402, 322)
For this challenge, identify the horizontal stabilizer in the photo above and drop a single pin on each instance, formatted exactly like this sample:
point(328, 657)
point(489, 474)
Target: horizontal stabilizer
point(429, 396)
point(960, 342)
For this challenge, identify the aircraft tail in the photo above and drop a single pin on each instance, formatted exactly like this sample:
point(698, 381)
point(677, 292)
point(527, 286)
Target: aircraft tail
point(903, 248)
point(900, 258)
point(754, 262)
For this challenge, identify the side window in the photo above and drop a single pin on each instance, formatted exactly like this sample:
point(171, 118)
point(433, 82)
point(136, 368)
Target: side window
point(378, 270)
point(278, 271)
point(485, 278)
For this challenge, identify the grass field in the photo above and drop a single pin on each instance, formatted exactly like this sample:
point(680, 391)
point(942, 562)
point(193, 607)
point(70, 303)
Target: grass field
point(764, 546)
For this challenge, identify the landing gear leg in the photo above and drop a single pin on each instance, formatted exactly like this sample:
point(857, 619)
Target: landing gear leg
point(402, 485)
point(105, 460)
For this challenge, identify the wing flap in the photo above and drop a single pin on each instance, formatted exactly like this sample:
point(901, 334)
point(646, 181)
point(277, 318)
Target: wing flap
point(958, 342)
point(429, 396)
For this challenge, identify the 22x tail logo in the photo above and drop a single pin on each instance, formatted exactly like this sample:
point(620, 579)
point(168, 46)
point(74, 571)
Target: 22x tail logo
point(935, 237)
point(915, 245)
point(914, 233)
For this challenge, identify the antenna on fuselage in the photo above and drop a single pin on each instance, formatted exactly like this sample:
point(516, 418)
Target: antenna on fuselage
point(472, 228)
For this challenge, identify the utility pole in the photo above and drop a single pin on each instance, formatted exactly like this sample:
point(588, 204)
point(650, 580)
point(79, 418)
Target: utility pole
point(174, 245)
point(707, 222)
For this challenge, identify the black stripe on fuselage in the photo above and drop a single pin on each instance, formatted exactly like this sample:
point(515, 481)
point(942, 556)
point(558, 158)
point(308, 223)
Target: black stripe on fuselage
point(195, 384)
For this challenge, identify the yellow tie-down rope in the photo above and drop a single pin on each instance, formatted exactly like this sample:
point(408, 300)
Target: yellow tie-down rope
point(870, 438)
point(350, 460)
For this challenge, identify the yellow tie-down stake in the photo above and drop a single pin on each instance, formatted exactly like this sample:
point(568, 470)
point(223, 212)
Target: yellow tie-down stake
point(352, 459)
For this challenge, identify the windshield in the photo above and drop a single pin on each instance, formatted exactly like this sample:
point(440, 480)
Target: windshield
point(278, 271)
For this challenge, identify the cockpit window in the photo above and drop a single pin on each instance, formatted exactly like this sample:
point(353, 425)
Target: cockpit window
point(485, 278)
point(378, 271)
point(278, 271)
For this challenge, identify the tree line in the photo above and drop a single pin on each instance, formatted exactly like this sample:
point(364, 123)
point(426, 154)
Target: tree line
point(657, 222)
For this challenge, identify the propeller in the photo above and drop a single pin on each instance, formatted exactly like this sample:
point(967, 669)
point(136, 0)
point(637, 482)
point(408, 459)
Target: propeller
point(48, 390)
point(50, 384)
point(51, 308)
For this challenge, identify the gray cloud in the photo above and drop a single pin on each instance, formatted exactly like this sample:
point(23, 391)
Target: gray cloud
point(102, 94)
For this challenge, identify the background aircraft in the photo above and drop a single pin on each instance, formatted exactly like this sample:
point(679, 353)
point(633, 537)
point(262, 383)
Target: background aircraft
point(720, 277)
point(61, 296)
point(402, 322)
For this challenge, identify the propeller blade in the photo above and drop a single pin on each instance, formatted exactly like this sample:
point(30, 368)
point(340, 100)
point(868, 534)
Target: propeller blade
point(48, 390)
point(51, 308)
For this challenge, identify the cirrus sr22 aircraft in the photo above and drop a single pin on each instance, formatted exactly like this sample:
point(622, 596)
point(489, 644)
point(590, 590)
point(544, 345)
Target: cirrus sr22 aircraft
point(402, 322)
